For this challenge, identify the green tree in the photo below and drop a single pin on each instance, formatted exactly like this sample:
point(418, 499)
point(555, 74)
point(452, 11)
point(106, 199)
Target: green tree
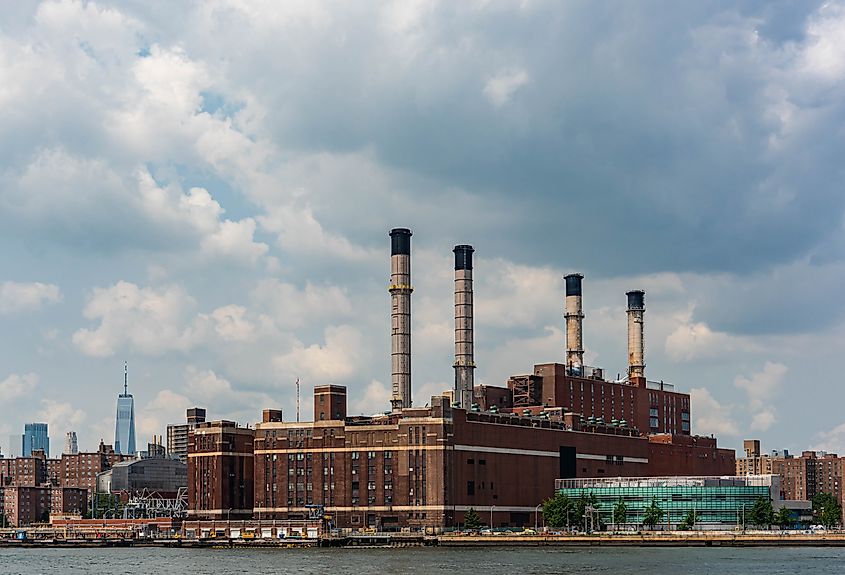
point(471, 519)
point(762, 514)
point(653, 514)
point(826, 510)
point(689, 521)
point(783, 517)
point(558, 511)
point(620, 512)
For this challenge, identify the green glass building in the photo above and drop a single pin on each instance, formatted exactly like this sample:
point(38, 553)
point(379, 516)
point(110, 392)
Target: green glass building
point(718, 502)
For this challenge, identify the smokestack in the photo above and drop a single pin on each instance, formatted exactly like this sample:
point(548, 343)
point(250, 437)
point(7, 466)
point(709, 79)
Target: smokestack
point(636, 346)
point(464, 354)
point(574, 315)
point(400, 317)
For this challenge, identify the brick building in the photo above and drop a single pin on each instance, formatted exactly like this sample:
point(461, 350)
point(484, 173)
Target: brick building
point(754, 462)
point(220, 471)
point(650, 406)
point(81, 469)
point(68, 500)
point(26, 504)
point(428, 466)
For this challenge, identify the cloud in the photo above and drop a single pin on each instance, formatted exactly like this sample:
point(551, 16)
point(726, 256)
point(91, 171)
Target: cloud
point(695, 340)
point(231, 325)
point(148, 320)
point(293, 307)
point(762, 388)
point(60, 417)
point(337, 360)
point(16, 386)
point(502, 86)
point(18, 297)
point(374, 399)
point(710, 416)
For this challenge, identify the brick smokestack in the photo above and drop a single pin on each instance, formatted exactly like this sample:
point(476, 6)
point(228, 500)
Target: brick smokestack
point(464, 352)
point(636, 345)
point(574, 315)
point(400, 317)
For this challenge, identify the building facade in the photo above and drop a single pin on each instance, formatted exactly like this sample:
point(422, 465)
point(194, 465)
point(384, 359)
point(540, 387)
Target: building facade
point(716, 502)
point(124, 422)
point(71, 444)
point(35, 436)
point(220, 471)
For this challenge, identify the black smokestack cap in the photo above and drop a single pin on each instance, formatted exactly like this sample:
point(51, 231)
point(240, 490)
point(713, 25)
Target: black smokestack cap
point(573, 284)
point(636, 299)
point(463, 257)
point(400, 241)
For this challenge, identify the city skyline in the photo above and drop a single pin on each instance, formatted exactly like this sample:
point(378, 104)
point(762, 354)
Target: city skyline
point(210, 202)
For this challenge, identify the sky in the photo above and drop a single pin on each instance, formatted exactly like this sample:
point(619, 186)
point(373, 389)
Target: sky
point(204, 191)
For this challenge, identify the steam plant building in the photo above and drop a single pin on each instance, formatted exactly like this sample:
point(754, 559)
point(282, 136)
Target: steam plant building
point(497, 449)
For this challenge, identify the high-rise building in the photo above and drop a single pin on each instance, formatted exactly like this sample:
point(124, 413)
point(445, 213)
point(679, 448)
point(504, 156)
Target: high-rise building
point(71, 445)
point(177, 434)
point(13, 447)
point(35, 437)
point(124, 421)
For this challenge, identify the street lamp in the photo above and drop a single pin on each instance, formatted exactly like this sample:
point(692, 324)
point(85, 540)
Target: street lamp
point(491, 516)
point(536, 510)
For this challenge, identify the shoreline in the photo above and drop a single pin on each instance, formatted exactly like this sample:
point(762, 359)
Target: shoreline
point(701, 539)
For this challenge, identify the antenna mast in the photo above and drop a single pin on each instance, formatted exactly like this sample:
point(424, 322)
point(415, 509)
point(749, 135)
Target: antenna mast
point(297, 400)
point(125, 378)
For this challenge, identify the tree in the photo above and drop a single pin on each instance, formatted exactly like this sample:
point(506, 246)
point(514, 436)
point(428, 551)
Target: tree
point(826, 509)
point(653, 514)
point(620, 512)
point(689, 521)
point(783, 517)
point(558, 511)
point(471, 519)
point(762, 514)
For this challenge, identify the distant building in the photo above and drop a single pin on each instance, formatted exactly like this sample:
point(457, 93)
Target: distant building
point(177, 434)
point(35, 437)
point(124, 423)
point(160, 474)
point(71, 444)
point(754, 462)
point(24, 505)
point(13, 447)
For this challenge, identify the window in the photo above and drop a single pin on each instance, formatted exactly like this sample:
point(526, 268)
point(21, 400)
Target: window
point(470, 461)
point(470, 487)
point(482, 462)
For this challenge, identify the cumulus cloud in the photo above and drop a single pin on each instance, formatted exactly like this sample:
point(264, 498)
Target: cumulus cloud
point(18, 297)
point(711, 416)
point(60, 418)
point(335, 361)
point(16, 386)
point(762, 388)
point(148, 320)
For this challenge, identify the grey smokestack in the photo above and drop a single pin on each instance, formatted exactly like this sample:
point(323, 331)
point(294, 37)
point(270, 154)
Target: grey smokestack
point(400, 317)
point(574, 315)
point(636, 345)
point(464, 354)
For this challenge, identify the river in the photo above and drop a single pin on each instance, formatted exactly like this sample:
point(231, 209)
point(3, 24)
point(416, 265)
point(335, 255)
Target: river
point(425, 561)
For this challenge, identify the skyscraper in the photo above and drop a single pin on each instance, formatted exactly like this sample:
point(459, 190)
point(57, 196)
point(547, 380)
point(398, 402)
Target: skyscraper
point(124, 421)
point(71, 445)
point(35, 437)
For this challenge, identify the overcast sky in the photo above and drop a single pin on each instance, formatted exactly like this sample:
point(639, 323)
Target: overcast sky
point(204, 190)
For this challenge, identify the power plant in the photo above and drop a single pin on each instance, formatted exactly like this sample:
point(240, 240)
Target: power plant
point(495, 449)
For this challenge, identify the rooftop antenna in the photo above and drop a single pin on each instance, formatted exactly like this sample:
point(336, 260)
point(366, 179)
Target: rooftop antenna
point(125, 378)
point(297, 400)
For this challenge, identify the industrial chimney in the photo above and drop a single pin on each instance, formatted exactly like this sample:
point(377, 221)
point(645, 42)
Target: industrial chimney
point(574, 315)
point(636, 347)
point(400, 317)
point(464, 355)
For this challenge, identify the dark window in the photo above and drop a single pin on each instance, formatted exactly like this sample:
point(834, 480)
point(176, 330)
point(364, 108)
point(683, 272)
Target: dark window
point(470, 487)
point(567, 463)
point(482, 462)
point(470, 461)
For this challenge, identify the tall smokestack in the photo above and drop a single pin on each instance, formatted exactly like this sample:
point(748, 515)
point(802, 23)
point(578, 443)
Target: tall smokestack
point(574, 315)
point(464, 354)
point(636, 346)
point(400, 317)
